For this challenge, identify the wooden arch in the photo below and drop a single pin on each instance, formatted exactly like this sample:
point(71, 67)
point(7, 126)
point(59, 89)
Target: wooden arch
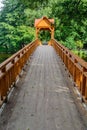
point(44, 24)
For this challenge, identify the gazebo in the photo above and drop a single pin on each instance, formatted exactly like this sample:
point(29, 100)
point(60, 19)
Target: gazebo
point(44, 24)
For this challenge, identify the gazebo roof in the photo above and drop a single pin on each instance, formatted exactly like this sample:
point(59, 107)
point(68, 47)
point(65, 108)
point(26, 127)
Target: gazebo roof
point(37, 21)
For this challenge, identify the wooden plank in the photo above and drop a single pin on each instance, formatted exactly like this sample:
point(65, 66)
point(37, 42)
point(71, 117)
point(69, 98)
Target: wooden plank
point(42, 100)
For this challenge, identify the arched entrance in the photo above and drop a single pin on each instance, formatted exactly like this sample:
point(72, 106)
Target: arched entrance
point(44, 36)
point(44, 24)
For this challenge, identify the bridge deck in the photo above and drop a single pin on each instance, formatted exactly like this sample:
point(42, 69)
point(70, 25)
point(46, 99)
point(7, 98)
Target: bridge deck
point(42, 100)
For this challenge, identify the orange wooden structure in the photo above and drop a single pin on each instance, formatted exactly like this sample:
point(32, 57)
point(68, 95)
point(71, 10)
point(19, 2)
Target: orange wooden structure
point(12, 67)
point(75, 65)
point(44, 24)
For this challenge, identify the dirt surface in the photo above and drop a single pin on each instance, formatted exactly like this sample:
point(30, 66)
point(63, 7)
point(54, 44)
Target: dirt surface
point(42, 99)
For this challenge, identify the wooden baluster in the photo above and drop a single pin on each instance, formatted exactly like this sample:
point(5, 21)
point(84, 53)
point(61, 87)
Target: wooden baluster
point(74, 70)
point(13, 71)
point(83, 84)
point(86, 86)
point(4, 85)
point(18, 64)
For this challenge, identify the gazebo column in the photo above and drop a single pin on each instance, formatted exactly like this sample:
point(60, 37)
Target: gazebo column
point(52, 34)
point(36, 33)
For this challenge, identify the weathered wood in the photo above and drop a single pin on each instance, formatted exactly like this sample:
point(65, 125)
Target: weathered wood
point(42, 100)
point(11, 68)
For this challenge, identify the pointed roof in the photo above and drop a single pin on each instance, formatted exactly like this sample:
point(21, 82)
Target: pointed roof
point(37, 21)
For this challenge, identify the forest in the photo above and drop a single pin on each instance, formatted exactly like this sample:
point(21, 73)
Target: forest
point(17, 24)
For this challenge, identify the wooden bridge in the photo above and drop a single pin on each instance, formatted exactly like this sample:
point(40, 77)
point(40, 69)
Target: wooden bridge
point(47, 89)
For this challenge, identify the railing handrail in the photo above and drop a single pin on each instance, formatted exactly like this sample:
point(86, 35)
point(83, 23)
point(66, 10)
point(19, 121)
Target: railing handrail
point(75, 65)
point(4, 63)
point(11, 68)
point(76, 57)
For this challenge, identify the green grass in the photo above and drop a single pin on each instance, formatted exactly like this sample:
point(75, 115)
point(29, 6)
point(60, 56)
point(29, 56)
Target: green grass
point(81, 53)
point(4, 56)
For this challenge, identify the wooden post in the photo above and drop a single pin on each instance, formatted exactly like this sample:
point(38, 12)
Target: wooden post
point(36, 33)
point(83, 84)
point(86, 88)
point(52, 34)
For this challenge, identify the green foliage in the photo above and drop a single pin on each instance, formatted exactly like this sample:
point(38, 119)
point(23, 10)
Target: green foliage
point(79, 44)
point(12, 38)
point(4, 57)
point(81, 53)
point(35, 4)
point(44, 35)
point(14, 30)
point(17, 22)
point(70, 43)
point(71, 22)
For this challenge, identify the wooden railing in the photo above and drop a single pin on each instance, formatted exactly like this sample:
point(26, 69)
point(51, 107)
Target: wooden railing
point(75, 65)
point(11, 68)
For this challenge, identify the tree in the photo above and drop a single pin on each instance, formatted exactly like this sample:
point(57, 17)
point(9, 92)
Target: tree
point(17, 21)
point(72, 22)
